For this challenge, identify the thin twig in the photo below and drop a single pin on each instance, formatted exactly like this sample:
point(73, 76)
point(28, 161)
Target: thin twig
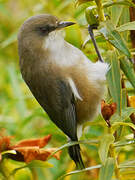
point(90, 30)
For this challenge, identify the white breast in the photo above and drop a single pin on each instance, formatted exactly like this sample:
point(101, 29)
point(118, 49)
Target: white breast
point(63, 53)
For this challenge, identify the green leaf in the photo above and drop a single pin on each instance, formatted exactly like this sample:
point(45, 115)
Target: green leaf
point(93, 123)
point(62, 5)
point(124, 142)
point(114, 79)
point(115, 14)
point(80, 171)
point(128, 70)
point(17, 91)
point(127, 164)
point(105, 142)
point(8, 152)
point(106, 171)
point(78, 2)
point(125, 18)
point(39, 164)
point(118, 124)
point(4, 10)
point(12, 38)
point(126, 27)
point(119, 2)
point(33, 164)
point(73, 36)
point(124, 98)
point(110, 33)
point(91, 141)
point(22, 174)
point(125, 113)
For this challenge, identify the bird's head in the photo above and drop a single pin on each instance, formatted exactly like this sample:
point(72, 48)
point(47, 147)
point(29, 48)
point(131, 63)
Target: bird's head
point(37, 28)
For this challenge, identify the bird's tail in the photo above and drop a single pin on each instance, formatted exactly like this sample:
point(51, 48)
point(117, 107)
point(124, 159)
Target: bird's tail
point(74, 152)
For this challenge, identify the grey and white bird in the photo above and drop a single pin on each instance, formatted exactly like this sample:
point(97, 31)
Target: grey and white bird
point(67, 85)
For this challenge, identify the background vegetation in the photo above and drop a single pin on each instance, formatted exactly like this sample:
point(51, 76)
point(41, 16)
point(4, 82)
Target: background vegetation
point(110, 142)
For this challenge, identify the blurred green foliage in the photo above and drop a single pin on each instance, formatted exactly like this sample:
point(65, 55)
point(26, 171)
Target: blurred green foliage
point(21, 115)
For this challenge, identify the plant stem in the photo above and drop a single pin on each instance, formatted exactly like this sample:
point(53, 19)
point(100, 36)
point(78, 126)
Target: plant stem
point(100, 10)
point(132, 33)
point(114, 156)
point(34, 174)
point(94, 43)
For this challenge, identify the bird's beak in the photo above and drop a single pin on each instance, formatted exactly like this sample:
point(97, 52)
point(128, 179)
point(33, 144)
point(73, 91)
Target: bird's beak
point(63, 24)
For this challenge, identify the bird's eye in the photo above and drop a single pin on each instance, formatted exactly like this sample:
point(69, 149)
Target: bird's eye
point(46, 29)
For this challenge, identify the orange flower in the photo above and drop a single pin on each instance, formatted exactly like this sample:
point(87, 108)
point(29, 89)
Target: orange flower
point(40, 142)
point(108, 110)
point(28, 150)
point(4, 143)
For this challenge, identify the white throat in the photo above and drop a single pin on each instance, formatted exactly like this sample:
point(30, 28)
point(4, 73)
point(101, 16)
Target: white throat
point(61, 52)
point(53, 41)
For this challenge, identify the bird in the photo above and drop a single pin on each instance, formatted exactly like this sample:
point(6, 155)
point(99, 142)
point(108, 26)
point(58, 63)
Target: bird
point(66, 84)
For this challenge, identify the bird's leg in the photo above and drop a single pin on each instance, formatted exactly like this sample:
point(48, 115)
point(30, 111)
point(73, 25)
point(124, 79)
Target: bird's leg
point(90, 30)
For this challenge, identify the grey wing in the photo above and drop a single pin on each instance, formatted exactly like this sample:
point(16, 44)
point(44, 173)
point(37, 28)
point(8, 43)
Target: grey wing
point(59, 103)
point(57, 99)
